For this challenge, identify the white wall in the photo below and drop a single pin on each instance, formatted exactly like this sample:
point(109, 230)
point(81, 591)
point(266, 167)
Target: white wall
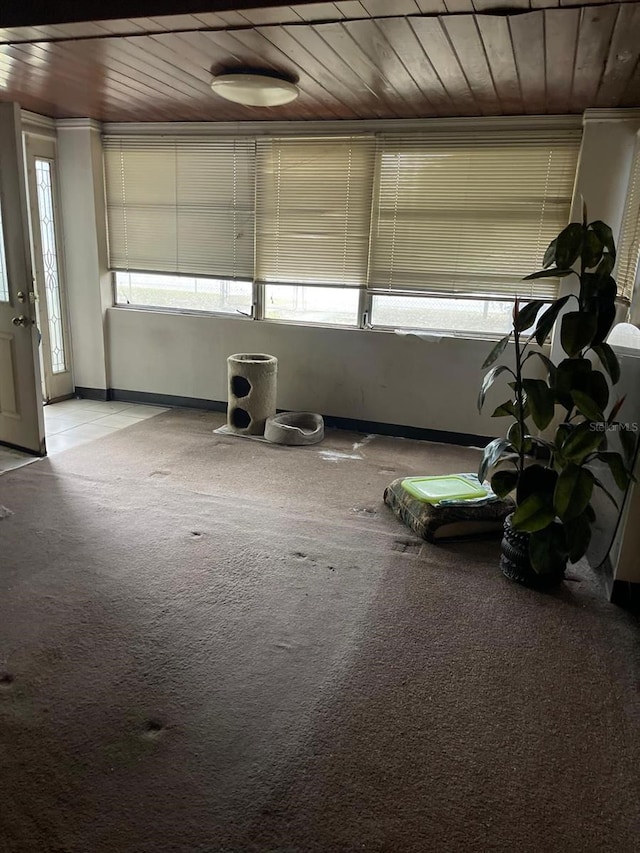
point(349, 373)
point(604, 169)
point(606, 157)
point(84, 237)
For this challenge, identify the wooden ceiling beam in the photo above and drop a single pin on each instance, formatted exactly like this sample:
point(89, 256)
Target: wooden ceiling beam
point(33, 13)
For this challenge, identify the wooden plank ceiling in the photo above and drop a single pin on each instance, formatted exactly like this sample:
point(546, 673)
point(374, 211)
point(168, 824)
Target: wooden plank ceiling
point(353, 59)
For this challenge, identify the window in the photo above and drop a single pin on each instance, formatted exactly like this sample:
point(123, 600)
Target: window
point(182, 205)
point(469, 218)
point(185, 293)
point(469, 316)
point(313, 213)
point(428, 230)
point(629, 243)
point(48, 242)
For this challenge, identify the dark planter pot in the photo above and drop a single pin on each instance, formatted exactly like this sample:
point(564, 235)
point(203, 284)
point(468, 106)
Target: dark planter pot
point(515, 564)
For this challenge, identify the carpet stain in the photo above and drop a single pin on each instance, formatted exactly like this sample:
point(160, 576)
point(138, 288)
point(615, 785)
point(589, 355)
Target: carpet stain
point(195, 534)
point(406, 546)
point(365, 510)
point(153, 729)
point(366, 440)
point(300, 555)
point(5, 512)
point(160, 473)
point(6, 680)
point(337, 455)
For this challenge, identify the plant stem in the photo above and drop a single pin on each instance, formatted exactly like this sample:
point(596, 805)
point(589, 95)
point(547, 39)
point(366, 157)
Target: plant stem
point(519, 401)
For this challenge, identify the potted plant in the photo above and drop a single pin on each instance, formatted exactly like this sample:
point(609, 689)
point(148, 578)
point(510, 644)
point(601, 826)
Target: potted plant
point(553, 518)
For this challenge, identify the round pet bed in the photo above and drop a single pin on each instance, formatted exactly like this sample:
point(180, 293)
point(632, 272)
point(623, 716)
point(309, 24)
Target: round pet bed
point(294, 428)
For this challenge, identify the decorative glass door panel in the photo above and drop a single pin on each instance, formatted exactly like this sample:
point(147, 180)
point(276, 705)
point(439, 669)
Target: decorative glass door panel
point(55, 350)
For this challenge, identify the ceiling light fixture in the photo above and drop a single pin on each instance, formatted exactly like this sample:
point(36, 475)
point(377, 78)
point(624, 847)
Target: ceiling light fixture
point(255, 90)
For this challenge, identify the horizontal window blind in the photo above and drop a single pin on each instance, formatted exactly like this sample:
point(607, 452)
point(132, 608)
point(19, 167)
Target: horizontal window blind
point(181, 205)
point(313, 210)
point(629, 242)
point(470, 217)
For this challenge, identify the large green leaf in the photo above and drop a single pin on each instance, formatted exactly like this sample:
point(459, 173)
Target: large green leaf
point(504, 482)
point(563, 432)
point(554, 272)
point(594, 285)
point(617, 468)
point(514, 435)
point(591, 394)
point(507, 409)
point(592, 248)
point(605, 234)
point(605, 317)
point(512, 457)
point(548, 549)
point(609, 360)
point(541, 402)
point(517, 439)
point(578, 533)
point(597, 387)
point(573, 491)
point(551, 368)
point(527, 315)
point(492, 452)
point(570, 374)
point(576, 331)
point(582, 440)
point(569, 371)
point(496, 352)
point(550, 254)
point(537, 480)
point(548, 318)
point(488, 381)
point(534, 513)
point(569, 245)
point(587, 406)
point(606, 265)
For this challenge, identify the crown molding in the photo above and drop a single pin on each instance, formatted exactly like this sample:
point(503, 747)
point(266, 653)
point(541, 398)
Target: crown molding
point(631, 114)
point(283, 128)
point(78, 124)
point(37, 124)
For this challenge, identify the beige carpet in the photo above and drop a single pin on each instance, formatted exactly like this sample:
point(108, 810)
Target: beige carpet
point(209, 644)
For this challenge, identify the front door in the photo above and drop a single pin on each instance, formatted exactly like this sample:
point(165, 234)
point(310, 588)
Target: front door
point(21, 417)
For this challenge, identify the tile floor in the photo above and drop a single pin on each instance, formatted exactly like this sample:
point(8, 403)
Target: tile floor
point(75, 422)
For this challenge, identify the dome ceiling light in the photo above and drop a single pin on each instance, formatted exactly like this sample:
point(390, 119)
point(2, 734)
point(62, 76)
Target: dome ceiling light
point(255, 90)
